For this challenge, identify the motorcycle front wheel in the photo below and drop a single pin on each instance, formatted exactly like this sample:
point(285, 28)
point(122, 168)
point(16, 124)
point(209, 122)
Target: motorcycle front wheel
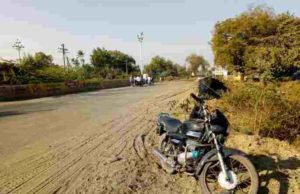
point(242, 175)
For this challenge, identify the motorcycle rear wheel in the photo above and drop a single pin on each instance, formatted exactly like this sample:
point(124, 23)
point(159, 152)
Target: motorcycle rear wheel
point(240, 166)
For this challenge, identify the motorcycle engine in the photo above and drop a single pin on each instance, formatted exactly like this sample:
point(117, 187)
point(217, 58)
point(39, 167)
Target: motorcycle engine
point(192, 144)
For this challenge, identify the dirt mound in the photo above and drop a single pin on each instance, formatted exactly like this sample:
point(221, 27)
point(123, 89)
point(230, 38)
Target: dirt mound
point(277, 162)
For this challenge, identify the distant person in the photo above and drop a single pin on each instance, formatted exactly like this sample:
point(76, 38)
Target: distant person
point(138, 80)
point(135, 81)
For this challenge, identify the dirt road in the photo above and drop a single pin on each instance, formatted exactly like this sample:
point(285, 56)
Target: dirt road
point(83, 143)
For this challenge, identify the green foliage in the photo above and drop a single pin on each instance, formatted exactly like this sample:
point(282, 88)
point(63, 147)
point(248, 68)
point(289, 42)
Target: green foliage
point(7, 72)
point(181, 71)
point(86, 72)
point(39, 60)
point(39, 68)
point(195, 61)
point(110, 64)
point(75, 62)
point(49, 75)
point(80, 57)
point(258, 40)
point(161, 67)
point(271, 110)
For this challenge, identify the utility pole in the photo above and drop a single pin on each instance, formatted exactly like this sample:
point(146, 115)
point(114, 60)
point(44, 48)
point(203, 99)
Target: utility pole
point(18, 46)
point(64, 51)
point(141, 39)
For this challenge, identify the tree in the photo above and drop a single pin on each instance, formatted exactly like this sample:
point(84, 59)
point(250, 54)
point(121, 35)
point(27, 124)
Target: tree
point(181, 71)
point(111, 63)
point(159, 66)
point(39, 60)
point(8, 73)
point(257, 41)
point(123, 61)
point(75, 62)
point(100, 58)
point(80, 56)
point(195, 61)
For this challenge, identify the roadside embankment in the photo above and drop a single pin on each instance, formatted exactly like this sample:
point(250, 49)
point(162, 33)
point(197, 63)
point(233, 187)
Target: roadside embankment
point(28, 91)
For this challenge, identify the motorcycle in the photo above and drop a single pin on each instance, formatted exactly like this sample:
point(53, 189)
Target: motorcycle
point(196, 146)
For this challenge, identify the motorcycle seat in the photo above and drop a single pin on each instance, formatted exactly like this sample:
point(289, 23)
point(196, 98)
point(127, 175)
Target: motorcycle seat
point(171, 125)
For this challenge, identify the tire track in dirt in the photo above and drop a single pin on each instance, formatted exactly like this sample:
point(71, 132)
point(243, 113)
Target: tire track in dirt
point(30, 165)
point(78, 153)
point(73, 165)
point(147, 128)
point(126, 131)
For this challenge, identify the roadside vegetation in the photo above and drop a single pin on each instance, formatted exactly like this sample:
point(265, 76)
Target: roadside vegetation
point(263, 110)
point(265, 124)
point(259, 42)
point(40, 68)
point(162, 67)
point(104, 64)
point(271, 110)
point(264, 46)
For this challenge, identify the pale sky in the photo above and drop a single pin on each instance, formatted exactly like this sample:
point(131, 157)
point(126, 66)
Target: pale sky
point(172, 28)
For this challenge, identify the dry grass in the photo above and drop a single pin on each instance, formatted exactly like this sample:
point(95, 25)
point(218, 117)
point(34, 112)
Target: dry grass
point(271, 110)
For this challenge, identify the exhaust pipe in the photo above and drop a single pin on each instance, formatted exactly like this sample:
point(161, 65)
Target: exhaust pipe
point(166, 164)
point(158, 154)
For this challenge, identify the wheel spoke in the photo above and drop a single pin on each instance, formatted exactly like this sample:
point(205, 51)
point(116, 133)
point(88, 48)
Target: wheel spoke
point(243, 176)
point(245, 183)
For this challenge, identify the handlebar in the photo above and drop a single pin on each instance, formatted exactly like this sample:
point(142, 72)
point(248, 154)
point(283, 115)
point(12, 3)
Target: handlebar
point(196, 98)
point(204, 108)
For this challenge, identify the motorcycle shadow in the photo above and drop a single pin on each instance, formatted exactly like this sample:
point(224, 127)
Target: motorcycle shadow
point(273, 168)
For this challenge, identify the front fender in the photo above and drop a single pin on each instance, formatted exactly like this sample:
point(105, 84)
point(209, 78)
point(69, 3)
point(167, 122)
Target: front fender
point(212, 156)
point(160, 128)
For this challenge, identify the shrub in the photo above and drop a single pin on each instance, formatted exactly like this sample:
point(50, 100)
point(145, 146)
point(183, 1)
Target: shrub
point(271, 110)
point(50, 74)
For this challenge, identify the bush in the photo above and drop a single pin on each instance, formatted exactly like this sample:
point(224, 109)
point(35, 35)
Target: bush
point(50, 74)
point(271, 110)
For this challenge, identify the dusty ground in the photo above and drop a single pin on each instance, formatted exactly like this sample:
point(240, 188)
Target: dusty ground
point(83, 143)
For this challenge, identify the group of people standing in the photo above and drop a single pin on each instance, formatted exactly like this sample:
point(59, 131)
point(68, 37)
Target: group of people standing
point(140, 80)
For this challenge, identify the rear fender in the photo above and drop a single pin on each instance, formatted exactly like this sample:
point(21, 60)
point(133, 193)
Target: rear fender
point(160, 128)
point(212, 156)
